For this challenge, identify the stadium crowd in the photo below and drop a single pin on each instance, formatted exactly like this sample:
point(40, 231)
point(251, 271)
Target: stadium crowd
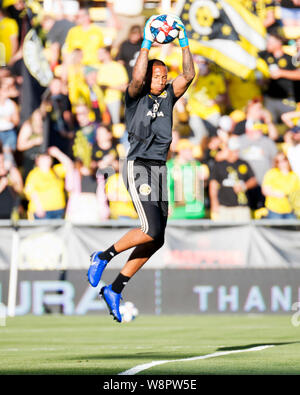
point(236, 143)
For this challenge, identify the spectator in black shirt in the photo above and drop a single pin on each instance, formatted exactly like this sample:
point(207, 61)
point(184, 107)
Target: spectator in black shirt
point(104, 150)
point(11, 186)
point(84, 125)
point(279, 94)
point(129, 49)
point(56, 30)
point(229, 181)
point(296, 63)
point(60, 122)
point(256, 112)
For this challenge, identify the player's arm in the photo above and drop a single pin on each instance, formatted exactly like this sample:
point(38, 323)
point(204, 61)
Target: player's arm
point(140, 68)
point(139, 73)
point(183, 81)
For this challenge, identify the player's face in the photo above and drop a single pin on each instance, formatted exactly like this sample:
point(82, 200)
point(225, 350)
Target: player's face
point(158, 79)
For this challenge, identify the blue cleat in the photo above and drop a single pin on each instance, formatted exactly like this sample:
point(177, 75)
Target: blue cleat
point(112, 300)
point(96, 269)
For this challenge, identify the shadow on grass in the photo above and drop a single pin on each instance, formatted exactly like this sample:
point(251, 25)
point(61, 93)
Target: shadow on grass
point(134, 356)
point(82, 369)
point(127, 354)
point(245, 347)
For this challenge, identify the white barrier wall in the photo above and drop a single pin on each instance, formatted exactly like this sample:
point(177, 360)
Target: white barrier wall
point(57, 245)
point(204, 267)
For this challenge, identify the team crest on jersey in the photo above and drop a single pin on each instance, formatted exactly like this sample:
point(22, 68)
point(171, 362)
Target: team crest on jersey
point(164, 94)
point(145, 189)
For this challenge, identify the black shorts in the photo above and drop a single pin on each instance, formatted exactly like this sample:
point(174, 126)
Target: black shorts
point(146, 181)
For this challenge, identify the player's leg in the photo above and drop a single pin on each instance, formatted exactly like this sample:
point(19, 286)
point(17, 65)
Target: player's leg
point(153, 209)
point(157, 219)
point(100, 259)
point(112, 293)
point(138, 258)
point(132, 238)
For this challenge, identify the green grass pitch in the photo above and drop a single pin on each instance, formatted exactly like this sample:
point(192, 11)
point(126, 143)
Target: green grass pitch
point(95, 344)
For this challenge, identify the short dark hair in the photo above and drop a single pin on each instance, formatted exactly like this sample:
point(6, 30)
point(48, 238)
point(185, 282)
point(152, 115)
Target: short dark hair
point(107, 48)
point(277, 32)
point(151, 63)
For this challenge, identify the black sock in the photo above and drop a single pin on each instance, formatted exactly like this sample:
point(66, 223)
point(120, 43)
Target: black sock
point(108, 254)
point(119, 283)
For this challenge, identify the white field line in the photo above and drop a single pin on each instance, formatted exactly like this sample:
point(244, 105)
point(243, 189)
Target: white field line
point(140, 368)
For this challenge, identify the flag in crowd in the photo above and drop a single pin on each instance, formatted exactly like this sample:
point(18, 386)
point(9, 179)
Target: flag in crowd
point(36, 73)
point(224, 31)
point(35, 69)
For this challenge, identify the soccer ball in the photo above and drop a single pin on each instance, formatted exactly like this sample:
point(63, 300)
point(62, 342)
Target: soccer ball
point(163, 29)
point(128, 312)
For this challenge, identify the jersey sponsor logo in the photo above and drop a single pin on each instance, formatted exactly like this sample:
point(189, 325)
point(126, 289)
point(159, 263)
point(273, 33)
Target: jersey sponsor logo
point(155, 114)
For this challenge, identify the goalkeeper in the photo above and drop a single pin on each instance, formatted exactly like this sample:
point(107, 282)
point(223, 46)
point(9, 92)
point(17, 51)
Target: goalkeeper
point(149, 102)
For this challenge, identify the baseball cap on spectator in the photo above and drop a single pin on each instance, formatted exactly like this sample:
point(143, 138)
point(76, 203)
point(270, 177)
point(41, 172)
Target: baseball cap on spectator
point(277, 32)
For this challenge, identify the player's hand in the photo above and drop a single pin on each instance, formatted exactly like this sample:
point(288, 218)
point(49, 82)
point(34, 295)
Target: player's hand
point(183, 39)
point(148, 38)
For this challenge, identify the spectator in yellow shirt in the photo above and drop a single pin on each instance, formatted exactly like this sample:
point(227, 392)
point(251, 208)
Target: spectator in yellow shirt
point(113, 79)
point(44, 189)
point(86, 36)
point(278, 186)
point(120, 203)
point(8, 38)
point(72, 75)
point(241, 91)
point(88, 91)
point(204, 101)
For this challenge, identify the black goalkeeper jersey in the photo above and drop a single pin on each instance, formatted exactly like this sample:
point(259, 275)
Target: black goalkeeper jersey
point(149, 121)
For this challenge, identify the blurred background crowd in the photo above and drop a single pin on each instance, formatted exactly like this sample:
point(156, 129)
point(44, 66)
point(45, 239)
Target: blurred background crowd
point(65, 66)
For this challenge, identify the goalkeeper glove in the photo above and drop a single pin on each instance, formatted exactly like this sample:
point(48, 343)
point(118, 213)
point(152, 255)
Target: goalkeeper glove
point(148, 37)
point(183, 39)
